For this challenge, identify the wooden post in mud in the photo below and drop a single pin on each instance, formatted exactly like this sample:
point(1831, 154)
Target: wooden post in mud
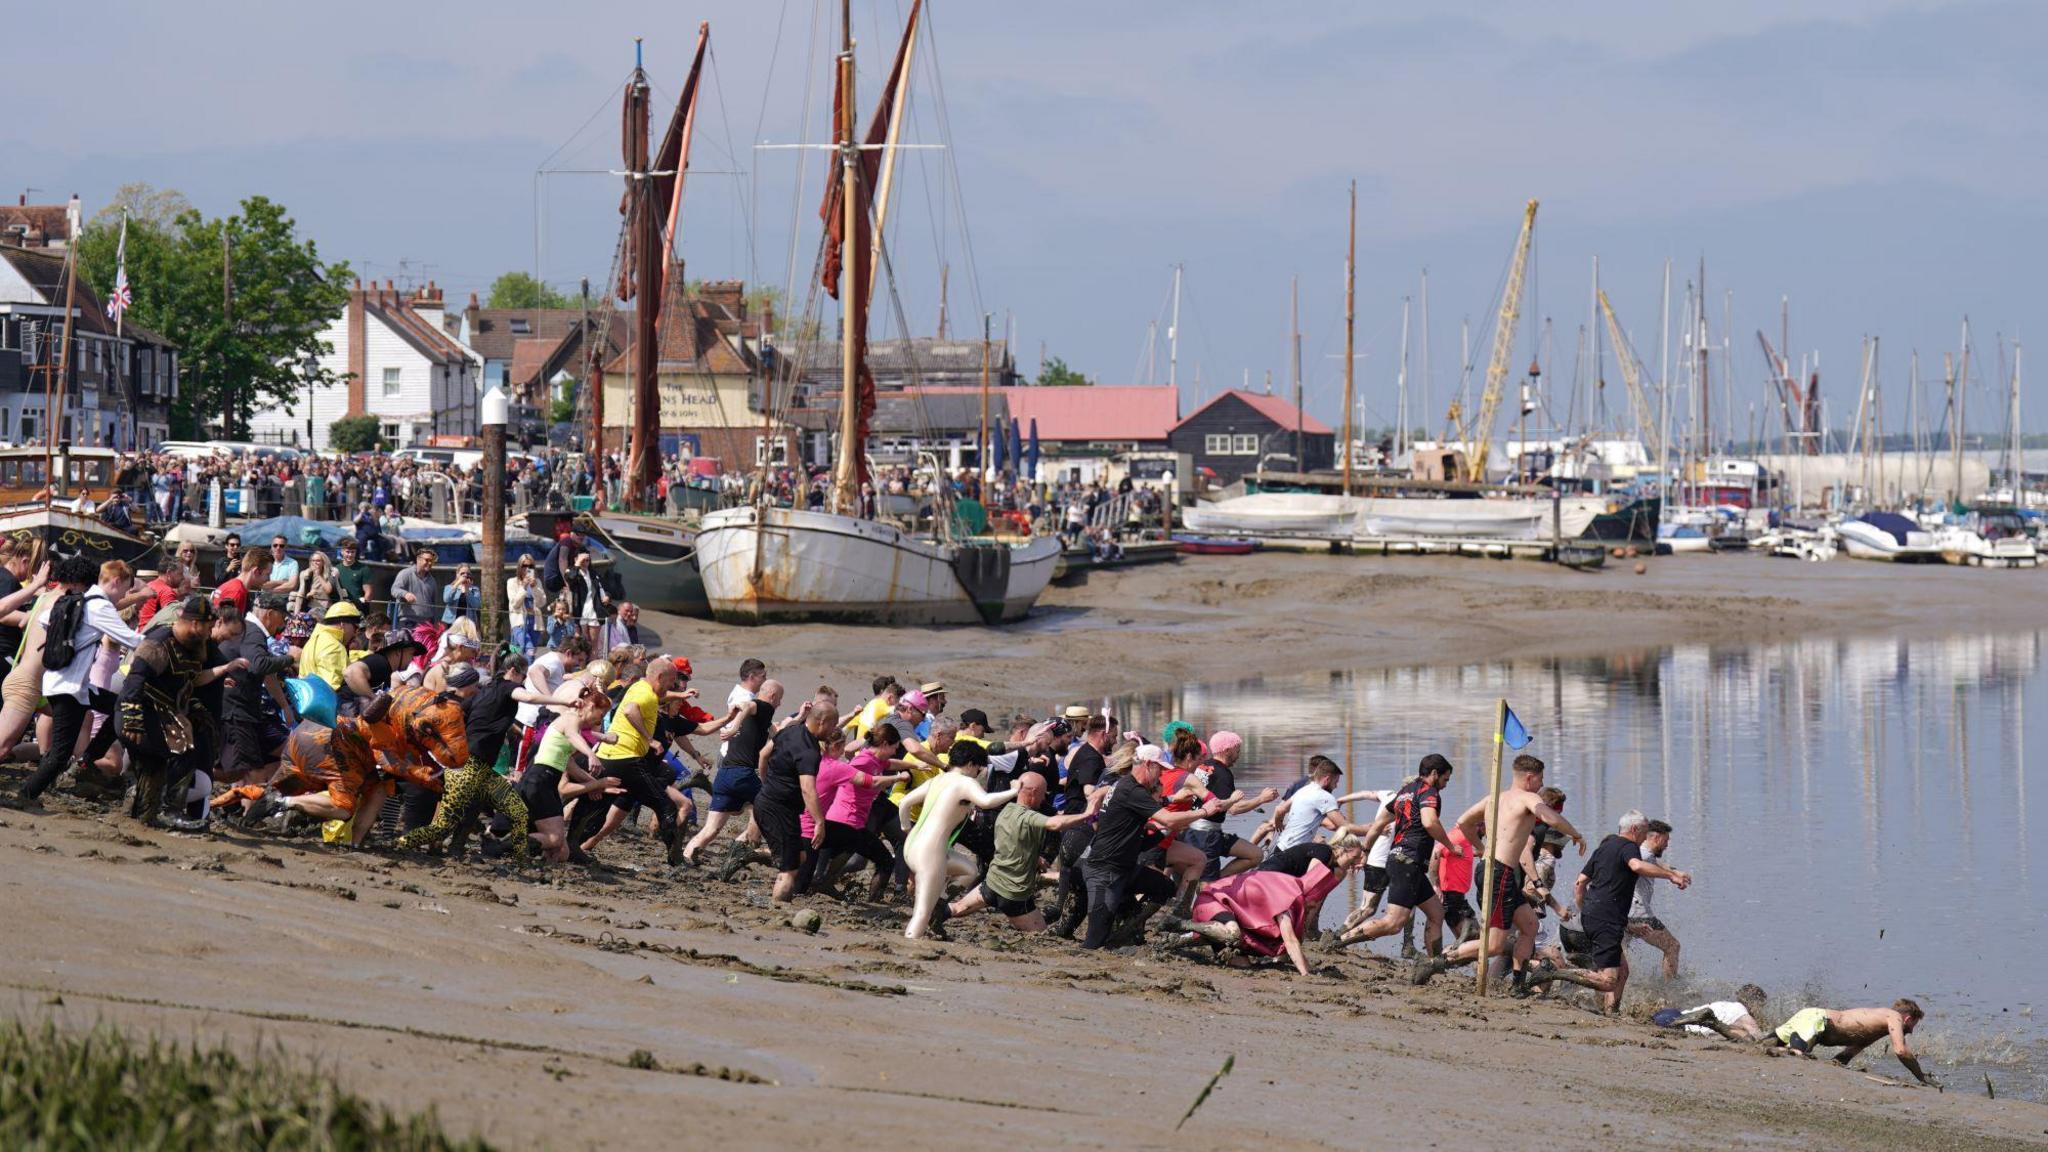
point(1500, 720)
point(1351, 809)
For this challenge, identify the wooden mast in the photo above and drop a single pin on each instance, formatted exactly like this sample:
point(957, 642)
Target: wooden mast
point(643, 455)
point(846, 467)
point(981, 464)
point(53, 413)
point(1350, 333)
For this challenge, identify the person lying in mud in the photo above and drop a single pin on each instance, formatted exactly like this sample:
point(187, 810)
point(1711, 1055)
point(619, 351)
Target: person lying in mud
point(1262, 913)
point(1730, 1019)
point(1852, 1030)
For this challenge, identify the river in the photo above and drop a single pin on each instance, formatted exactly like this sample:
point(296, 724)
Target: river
point(1855, 812)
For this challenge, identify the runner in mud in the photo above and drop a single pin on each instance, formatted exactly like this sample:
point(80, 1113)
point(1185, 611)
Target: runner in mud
point(1011, 885)
point(1852, 1030)
point(1521, 810)
point(1416, 829)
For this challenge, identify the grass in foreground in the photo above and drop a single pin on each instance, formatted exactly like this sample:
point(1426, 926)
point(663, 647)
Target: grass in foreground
point(100, 1089)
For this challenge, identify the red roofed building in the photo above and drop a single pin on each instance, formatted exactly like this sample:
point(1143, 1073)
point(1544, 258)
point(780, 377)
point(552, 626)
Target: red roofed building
point(1233, 432)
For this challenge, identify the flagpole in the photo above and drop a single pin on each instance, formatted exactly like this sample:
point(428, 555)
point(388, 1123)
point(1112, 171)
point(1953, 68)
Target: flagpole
point(1500, 723)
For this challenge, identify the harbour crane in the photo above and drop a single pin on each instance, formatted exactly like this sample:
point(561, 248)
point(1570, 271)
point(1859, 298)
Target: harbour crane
point(1632, 375)
point(1478, 434)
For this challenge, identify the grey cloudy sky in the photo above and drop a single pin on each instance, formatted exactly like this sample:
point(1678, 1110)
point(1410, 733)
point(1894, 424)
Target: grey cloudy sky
point(1878, 161)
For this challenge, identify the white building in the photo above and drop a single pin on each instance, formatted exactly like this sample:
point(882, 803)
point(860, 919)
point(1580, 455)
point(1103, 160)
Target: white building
point(395, 362)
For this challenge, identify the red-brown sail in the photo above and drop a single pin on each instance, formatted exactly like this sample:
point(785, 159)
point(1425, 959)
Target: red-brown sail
point(859, 263)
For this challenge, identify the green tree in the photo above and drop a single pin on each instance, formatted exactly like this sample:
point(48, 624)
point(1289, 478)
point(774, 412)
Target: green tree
point(564, 408)
point(519, 290)
point(243, 298)
point(356, 434)
point(1056, 374)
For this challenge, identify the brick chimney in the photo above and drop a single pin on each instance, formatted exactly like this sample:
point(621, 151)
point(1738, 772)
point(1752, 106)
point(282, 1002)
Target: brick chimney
point(730, 295)
point(427, 302)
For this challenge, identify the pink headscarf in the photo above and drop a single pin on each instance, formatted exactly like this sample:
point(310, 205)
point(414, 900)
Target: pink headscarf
point(1224, 741)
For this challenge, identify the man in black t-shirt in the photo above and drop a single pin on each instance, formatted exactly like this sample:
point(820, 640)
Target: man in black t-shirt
point(1414, 819)
point(370, 677)
point(14, 561)
point(789, 789)
point(1604, 889)
point(1087, 767)
point(738, 780)
point(1115, 881)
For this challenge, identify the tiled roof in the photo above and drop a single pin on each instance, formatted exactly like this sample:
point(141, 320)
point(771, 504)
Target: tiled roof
point(1088, 412)
point(51, 221)
point(1272, 408)
point(492, 334)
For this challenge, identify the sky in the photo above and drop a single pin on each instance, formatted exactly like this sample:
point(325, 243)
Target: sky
point(1874, 163)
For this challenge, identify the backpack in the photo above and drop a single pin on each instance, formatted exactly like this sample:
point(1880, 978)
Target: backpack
point(60, 637)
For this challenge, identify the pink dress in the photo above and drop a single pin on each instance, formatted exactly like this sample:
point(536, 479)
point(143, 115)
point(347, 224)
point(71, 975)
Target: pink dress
point(1256, 900)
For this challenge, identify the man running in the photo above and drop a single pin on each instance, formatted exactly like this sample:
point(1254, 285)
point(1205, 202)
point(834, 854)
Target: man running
point(1643, 923)
point(1852, 1030)
point(1521, 809)
point(1417, 826)
point(1603, 891)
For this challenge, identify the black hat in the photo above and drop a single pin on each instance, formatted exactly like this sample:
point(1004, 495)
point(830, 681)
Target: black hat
point(974, 716)
point(464, 676)
point(195, 607)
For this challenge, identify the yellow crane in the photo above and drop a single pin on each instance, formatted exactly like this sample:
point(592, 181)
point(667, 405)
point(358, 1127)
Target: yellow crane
point(1478, 434)
point(1632, 375)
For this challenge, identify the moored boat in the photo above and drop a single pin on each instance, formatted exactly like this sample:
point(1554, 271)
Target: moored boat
point(1887, 536)
point(768, 565)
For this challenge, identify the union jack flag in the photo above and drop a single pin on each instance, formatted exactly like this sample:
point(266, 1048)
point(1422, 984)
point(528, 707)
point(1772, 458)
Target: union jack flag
point(121, 298)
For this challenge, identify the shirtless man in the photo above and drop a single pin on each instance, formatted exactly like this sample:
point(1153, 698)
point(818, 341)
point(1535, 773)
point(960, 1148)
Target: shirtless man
point(1521, 809)
point(1852, 1030)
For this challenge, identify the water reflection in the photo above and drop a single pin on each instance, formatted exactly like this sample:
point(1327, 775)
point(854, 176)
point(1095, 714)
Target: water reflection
point(1854, 810)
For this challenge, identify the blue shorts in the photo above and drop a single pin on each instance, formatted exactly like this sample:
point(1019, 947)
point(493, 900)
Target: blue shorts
point(734, 788)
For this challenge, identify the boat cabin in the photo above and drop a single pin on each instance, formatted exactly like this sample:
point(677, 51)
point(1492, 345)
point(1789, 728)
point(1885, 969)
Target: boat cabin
point(81, 472)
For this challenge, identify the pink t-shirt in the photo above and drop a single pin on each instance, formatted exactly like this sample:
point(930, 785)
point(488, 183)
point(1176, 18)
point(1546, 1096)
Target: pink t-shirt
point(851, 802)
point(834, 777)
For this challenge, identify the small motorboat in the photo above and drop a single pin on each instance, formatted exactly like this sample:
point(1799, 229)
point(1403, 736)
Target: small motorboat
point(1583, 555)
point(1888, 536)
point(1215, 545)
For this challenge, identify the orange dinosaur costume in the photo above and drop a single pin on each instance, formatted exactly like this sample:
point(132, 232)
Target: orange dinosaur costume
point(409, 734)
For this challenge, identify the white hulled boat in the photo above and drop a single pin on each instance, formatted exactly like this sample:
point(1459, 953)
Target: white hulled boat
point(1275, 513)
point(1887, 536)
point(767, 565)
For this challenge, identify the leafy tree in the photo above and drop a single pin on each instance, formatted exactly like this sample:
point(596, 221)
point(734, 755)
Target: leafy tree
point(564, 408)
point(1056, 374)
point(244, 299)
point(520, 290)
point(356, 434)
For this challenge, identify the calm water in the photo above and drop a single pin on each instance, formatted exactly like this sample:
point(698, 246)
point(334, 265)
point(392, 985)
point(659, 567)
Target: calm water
point(1855, 813)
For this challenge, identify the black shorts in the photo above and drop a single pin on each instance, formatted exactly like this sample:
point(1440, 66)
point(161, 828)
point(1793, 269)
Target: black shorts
point(1603, 943)
point(1408, 883)
point(541, 789)
point(1507, 895)
point(247, 747)
point(1374, 877)
point(1007, 907)
point(1456, 910)
point(1295, 861)
point(784, 834)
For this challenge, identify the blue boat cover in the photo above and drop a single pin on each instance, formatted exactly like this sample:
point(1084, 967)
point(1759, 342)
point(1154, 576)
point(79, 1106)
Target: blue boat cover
point(1891, 523)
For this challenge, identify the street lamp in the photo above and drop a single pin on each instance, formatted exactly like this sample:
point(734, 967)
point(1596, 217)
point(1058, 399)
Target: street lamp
point(311, 368)
point(494, 410)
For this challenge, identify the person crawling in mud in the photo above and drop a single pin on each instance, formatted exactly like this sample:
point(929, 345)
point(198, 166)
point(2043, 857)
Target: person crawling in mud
point(1852, 1030)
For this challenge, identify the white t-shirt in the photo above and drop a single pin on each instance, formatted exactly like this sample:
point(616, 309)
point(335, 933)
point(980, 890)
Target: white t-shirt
point(1728, 1012)
point(1639, 908)
point(733, 699)
point(552, 673)
point(1306, 809)
point(1377, 858)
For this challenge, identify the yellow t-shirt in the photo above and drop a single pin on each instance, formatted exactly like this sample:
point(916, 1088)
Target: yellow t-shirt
point(632, 745)
point(872, 713)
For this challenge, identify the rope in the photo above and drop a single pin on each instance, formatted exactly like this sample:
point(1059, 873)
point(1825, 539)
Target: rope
point(611, 542)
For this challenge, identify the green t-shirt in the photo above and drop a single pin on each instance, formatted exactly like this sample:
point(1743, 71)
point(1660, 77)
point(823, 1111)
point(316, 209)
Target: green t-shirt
point(1020, 832)
point(352, 578)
